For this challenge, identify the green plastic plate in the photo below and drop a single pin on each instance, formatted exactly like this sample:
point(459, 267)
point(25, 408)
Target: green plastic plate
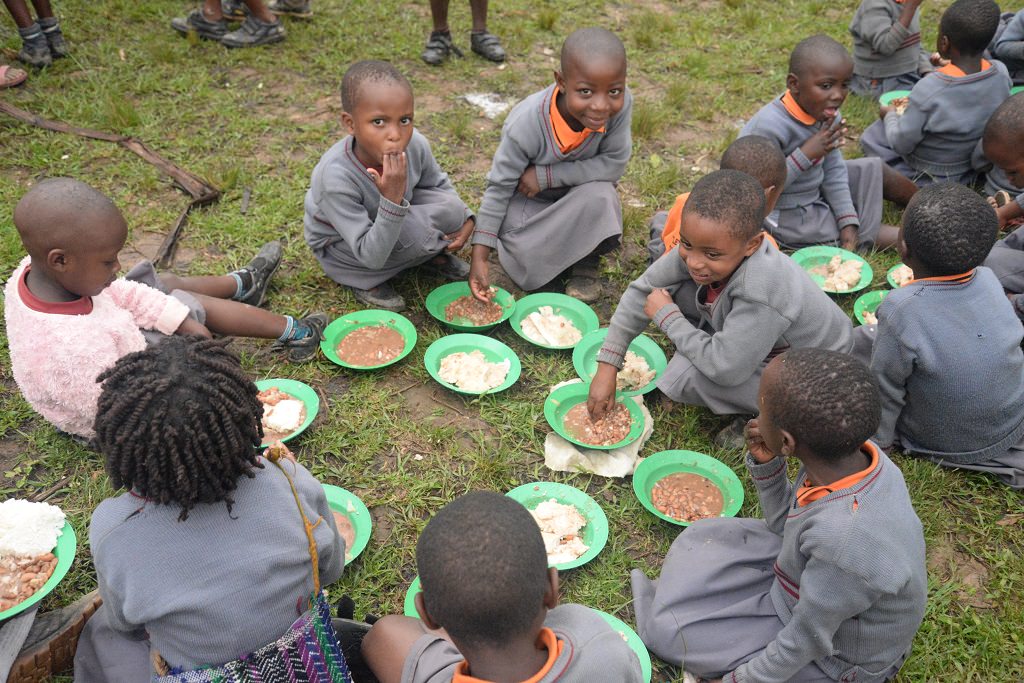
point(888, 97)
point(868, 302)
point(350, 322)
point(660, 465)
point(595, 533)
point(439, 299)
point(889, 278)
point(580, 314)
point(494, 351)
point(811, 257)
point(299, 390)
point(632, 639)
point(563, 399)
point(409, 606)
point(65, 553)
point(1016, 89)
point(341, 500)
point(584, 358)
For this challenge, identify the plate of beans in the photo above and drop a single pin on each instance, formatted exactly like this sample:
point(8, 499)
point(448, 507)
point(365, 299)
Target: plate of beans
point(683, 486)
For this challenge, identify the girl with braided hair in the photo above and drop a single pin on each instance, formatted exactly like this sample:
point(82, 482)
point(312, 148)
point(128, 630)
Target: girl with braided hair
point(203, 558)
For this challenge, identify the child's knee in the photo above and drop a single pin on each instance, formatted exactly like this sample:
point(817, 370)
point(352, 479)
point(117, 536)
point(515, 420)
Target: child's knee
point(388, 643)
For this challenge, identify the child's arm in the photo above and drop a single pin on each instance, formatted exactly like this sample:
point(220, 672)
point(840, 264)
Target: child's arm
point(892, 364)
point(829, 595)
point(432, 177)
point(885, 35)
point(768, 471)
point(150, 308)
point(835, 189)
point(607, 165)
point(1012, 50)
point(905, 131)
point(1010, 210)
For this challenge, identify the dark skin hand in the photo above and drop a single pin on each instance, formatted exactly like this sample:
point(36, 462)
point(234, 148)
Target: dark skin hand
point(828, 138)
point(392, 183)
point(848, 238)
point(193, 327)
point(458, 239)
point(755, 443)
point(528, 184)
point(479, 273)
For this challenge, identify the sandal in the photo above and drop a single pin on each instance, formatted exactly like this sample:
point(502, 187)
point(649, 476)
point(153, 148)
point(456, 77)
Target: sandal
point(439, 46)
point(11, 76)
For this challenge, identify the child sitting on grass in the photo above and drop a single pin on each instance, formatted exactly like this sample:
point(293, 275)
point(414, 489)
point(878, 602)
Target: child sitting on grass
point(486, 582)
point(728, 300)
point(947, 349)
point(933, 140)
point(204, 557)
point(1009, 47)
point(378, 203)
point(831, 585)
point(754, 155)
point(69, 317)
point(825, 200)
point(887, 52)
point(551, 205)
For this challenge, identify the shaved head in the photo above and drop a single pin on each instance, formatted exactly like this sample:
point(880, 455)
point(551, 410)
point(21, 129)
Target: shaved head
point(815, 50)
point(592, 44)
point(60, 213)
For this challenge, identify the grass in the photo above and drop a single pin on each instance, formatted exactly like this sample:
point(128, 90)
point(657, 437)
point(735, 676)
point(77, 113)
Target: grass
point(259, 120)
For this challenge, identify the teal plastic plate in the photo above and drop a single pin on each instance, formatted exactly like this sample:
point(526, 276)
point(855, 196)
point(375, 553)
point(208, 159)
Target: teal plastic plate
point(584, 358)
point(350, 322)
point(660, 465)
point(888, 97)
point(439, 299)
point(494, 351)
point(299, 390)
point(65, 553)
point(595, 533)
point(1016, 89)
point(811, 257)
point(341, 500)
point(868, 302)
point(890, 279)
point(633, 640)
point(578, 313)
point(563, 399)
point(409, 606)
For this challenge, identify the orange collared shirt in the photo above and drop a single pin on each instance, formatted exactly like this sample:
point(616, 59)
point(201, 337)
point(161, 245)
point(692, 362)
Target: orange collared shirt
point(546, 640)
point(796, 111)
point(807, 493)
point(956, 72)
point(566, 137)
point(957, 279)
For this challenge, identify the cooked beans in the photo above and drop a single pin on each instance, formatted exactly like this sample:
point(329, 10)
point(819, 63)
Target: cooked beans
point(687, 497)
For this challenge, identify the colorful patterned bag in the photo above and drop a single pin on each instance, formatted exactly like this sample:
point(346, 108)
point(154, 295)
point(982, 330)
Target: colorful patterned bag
point(308, 652)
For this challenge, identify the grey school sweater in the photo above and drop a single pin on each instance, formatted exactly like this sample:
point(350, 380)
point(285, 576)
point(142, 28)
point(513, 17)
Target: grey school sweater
point(806, 181)
point(850, 580)
point(527, 139)
point(882, 46)
point(217, 585)
point(950, 368)
point(1010, 45)
point(945, 118)
point(769, 305)
point(343, 203)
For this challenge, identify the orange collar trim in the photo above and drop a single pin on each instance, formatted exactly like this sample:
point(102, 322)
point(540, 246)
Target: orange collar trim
point(956, 72)
point(567, 138)
point(959, 278)
point(807, 494)
point(796, 111)
point(546, 640)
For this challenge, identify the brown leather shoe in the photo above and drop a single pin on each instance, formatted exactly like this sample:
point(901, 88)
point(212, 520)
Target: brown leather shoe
point(52, 641)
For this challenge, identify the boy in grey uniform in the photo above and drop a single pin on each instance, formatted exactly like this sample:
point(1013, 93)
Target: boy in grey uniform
point(831, 585)
point(887, 52)
point(947, 333)
point(378, 203)
point(934, 138)
point(727, 299)
point(826, 199)
point(486, 582)
point(551, 203)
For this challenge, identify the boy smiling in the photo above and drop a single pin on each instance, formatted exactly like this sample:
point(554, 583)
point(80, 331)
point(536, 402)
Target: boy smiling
point(550, 203)
point(727, 299)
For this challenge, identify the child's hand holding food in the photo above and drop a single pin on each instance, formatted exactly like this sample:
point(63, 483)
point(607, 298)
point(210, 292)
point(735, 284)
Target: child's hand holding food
point(602, 391)
point(755, 443)
point(655, 301)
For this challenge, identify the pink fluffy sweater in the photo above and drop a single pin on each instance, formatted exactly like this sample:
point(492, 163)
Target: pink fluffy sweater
point(56, 358)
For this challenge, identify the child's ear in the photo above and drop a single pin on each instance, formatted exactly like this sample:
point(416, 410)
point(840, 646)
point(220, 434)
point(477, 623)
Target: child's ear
point(788, 444)
point(771, 196)
point(559, 81)
point(792, 84)
point(901, 247)
point(57, 259)
point(350, 125)
point(425, 617)
point(754, 243)
point(943, 46)
point(551, 594)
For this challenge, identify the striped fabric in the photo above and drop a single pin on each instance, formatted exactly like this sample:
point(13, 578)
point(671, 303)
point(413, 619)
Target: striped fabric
point(307, 653)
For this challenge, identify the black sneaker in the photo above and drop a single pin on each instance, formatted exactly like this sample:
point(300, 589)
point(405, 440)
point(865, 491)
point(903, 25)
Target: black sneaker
point(261, 269)
point(487, 46)
point(452, 268)
point(439, 46)
point(234, 10)
point(50, 646)
point(54, 38)
point(293, 8)
point(196, 23)
point(35, 51)
point(732, 436)
point(301, 350)
point(253, 33)
point(584, 281)
point(382, 296)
